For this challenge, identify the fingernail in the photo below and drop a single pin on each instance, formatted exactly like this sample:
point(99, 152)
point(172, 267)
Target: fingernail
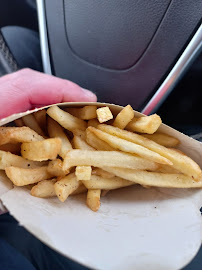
point(88, 93)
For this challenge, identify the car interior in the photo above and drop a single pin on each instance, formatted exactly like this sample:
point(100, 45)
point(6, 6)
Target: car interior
point(144, 53)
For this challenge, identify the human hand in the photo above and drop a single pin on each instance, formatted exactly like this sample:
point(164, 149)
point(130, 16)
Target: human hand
point(27, 89)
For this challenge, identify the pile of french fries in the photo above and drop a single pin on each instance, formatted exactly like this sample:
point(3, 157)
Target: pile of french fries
point(63, 152)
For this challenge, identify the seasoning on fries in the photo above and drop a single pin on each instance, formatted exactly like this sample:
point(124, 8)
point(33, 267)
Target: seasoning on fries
point(83, 156)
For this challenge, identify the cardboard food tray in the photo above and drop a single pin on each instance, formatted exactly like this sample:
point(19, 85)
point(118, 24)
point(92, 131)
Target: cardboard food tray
point(135, 228)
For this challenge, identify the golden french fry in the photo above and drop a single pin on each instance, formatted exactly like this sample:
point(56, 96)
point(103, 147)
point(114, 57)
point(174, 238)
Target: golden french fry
point(83, 172)
point(14, 148)
point(124, 117)
point(65, 119)
point(30, 121)
point(7, 159)
point(163, 139)
point(102, 173)
point(44, 189)
point(56, 131)
point(97, 143)
point(156, 179)
point(55, 168)
point(18, 134)
point(79, 143)
point(40, 117)
point(85, 113)
point(79, 133)
point(145, 124)
point(98, 182)
point(19, 122)
point(183, 163)
point(167, 169)
point(180, 161)
point(104, 114)
point(93, 123)
point(104, 158)
point(93, 199)
point(66, 186)
point(81, 189)
point(22, 177)
point(42, 150)
point(178, 151)
point(129, 147)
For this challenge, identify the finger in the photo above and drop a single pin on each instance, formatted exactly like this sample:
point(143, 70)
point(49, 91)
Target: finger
point(26, 89)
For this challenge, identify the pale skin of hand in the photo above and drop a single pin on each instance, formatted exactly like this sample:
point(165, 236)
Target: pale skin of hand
point(27, 89)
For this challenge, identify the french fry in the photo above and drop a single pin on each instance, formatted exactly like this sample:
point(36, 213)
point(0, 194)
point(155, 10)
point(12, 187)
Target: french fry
point(93, 123)
point(178, 151)
point(40, 117)
point(13, 148)
point(83, 172)
point(98, 182)
point(55, 168)
point(124, 117)
point(80, 133)
point(56, 131)
point(129, 147)
point(7, 159)
point(97, 143)
point(167, 169)
point(65, 119)
point(145, 124)
point(22, 177)
point(103, 158)
point(81, 189)
point(102, 173)
point(93, 199)
point(183, 163)
point(79, 143)
point(66, 186)
point(30, 121)
point(85, 113)
point(42, 150)
point(44, 189)
point(18, 134)
point(180, 161)
point(19, 122)
point(163, 139)
point(156, 179)
point(104, 114)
